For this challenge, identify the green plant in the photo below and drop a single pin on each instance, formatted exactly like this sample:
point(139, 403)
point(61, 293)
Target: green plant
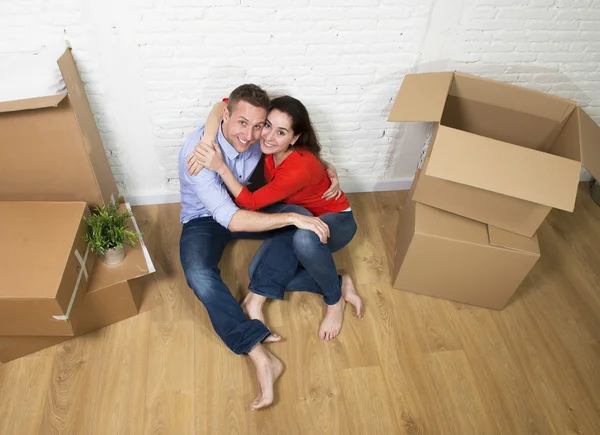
point(108, 229)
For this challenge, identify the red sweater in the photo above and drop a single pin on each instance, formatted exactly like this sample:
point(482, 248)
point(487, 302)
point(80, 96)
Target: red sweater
point(300, 179)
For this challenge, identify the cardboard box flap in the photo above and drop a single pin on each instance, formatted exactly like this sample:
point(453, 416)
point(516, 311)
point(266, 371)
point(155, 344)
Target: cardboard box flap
point(504, 168)
point(589, 136)
point(87, 125)
point(505, 239)
point(438, 223)
point(511, 97)
point(31, 103)
point(421, 98)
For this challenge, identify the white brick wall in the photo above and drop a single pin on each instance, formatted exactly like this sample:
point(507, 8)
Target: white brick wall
point(153, 68)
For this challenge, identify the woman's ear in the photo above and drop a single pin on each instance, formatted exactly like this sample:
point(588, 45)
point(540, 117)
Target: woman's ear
point(294, 140)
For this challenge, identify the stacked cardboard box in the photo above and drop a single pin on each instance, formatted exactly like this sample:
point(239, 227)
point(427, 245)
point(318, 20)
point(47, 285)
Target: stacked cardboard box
point(498, 159)
point(53, 170)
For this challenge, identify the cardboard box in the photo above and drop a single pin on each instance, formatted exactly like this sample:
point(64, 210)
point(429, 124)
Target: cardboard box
point(99, 308)
point(50, 148)
point(500, 154)
point(447, 256)
point(44, 266)
point(113, 294)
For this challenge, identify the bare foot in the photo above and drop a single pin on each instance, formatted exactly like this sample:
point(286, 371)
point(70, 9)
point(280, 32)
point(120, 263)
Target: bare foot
point(349, 294)
point(332, 323)
point(268, 370)
point(252, 306)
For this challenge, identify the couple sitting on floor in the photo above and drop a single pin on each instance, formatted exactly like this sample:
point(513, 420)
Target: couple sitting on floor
point(301, 212)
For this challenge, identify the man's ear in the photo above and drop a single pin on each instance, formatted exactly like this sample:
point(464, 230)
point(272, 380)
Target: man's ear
point(226, 115)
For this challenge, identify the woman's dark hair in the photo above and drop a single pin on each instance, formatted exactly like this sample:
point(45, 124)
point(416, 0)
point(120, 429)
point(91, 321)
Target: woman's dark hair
point(300, 123)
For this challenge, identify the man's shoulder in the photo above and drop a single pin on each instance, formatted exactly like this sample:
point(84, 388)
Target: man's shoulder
point(191, 140)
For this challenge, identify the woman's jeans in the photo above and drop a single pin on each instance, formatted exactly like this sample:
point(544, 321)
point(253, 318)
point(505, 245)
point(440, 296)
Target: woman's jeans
point(201, 247)
point(275, 268)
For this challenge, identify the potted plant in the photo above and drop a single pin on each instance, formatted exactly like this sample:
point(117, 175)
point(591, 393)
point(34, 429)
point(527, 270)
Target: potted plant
point(108, 233)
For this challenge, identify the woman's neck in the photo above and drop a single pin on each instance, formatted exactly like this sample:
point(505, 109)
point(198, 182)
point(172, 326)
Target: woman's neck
point(281, 156)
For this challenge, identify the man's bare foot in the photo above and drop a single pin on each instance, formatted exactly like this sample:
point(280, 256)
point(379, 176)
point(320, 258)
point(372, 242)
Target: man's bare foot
point(349, 294)
point(253, 307)
point(332, 323)
point(268, 370)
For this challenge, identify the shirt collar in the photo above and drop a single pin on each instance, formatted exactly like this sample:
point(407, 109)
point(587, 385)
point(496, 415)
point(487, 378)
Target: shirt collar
point(225, 145)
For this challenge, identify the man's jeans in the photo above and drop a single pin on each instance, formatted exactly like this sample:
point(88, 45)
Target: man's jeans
point(201, 247)
point(275, 268)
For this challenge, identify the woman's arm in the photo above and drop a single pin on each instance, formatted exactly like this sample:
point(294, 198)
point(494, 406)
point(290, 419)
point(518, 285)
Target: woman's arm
point(211, 157)
point(211, 129)
point(288, 180)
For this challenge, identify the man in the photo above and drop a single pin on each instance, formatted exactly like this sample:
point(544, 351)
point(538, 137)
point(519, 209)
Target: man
point(211, 219)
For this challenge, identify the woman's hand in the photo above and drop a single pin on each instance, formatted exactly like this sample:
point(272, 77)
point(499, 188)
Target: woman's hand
point(334, 191)
point(205, 156)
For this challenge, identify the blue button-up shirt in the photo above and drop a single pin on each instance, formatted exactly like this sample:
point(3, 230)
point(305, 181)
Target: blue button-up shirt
point(205, 194)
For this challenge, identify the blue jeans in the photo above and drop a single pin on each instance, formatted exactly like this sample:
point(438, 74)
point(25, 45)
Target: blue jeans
point(201, 247)
point(275, 268)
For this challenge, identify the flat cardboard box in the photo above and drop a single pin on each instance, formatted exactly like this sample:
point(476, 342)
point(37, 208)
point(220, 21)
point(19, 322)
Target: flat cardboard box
point(44, 266)
point(102, 308)
point(114, 293)
point(501, 154)
point(447, 256)
point(50, 148)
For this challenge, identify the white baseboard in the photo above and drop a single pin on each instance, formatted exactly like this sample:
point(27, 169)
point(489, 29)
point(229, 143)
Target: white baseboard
point(354, 186)
point(349, 186)
point(151, 199)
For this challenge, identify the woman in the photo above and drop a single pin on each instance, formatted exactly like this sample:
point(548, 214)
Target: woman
point(294, 175)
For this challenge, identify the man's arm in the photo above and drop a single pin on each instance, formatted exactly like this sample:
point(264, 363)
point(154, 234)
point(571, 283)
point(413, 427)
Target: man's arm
point(212, 193)
point(252, 221)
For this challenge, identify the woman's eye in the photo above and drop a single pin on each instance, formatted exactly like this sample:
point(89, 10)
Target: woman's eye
point(281, 133)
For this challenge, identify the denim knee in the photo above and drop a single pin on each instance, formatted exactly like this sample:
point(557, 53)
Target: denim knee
point(305, 243)
point(200, 280)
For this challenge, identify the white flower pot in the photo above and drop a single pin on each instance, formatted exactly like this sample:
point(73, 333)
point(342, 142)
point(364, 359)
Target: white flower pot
point(113, 256)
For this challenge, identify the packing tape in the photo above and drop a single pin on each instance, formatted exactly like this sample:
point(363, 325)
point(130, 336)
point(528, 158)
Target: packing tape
point(149, 263)
point(82, 272)
point(82, 261)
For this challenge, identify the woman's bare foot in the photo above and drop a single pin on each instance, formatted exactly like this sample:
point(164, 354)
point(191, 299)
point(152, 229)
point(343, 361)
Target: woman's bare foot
point(253, 307)
point(349, 294)
point(268, 370)
point(332, 323)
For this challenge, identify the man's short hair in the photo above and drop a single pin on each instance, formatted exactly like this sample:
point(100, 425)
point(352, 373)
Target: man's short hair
point(249, 93)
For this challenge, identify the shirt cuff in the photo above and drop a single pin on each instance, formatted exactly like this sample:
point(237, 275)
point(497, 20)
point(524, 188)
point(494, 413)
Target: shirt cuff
point(224, 213)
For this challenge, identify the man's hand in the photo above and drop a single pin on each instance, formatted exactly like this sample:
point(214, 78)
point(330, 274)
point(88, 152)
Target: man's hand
point(334, 191)
point(205, 156)
point(313, 224)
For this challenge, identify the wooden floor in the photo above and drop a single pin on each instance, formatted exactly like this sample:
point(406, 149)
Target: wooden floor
point(412, 365)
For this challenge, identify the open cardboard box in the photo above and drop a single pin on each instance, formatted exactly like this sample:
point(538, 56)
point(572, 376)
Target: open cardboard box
point(50, 148)
point(112, 294)
point(501, 154)
point(44, 266)
point(448, 256)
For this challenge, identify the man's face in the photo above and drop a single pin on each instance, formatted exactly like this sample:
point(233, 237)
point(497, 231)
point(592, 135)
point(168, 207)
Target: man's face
point(243, 125)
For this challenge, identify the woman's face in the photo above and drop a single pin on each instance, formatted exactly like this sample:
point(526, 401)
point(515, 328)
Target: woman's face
point(277, 134)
